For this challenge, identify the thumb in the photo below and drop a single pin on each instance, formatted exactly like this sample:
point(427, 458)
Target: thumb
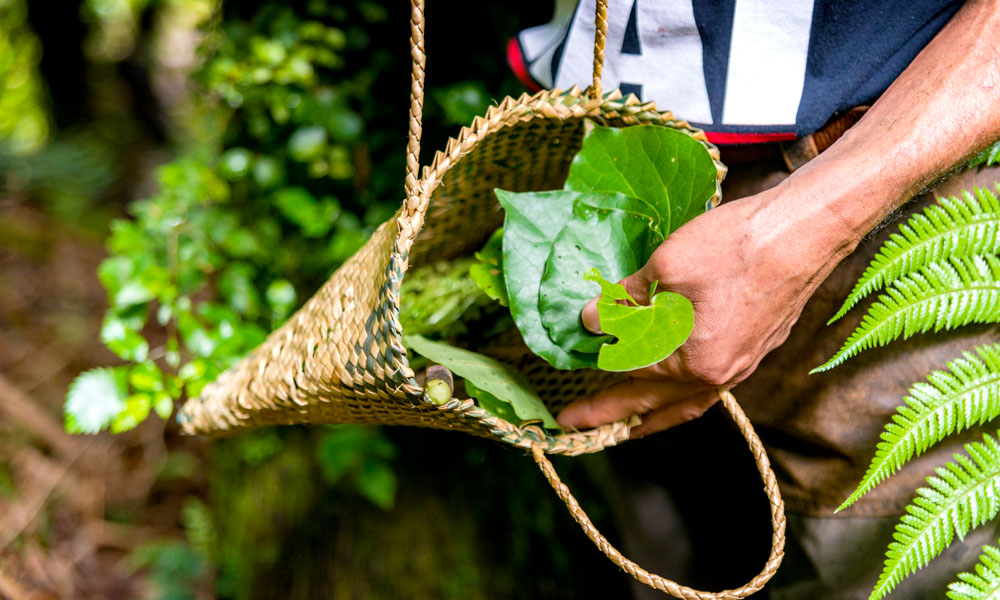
point(637, 285)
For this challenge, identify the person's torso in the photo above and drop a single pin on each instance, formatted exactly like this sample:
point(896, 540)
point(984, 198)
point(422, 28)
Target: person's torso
point(744, 70)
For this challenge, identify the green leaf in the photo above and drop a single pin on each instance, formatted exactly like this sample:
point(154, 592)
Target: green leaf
point(377, 482)
point(124, 341)
point(662, 166)
point(492, 404)
point(646, 334)
point(988, 157)
point(136, 410)
point(281, 297)
point(163, 404)
point(502, 382)
point(236, 285)
point(131, 293)
point(942, 295)
point(984, 584)
point(314, 217)
point(95, 398)
point(235, 163)
point(532, 222)
point(616, 237)
point(964, 495)
point(487, 273)
point(953, 228)
point(966, 395)
point(307, 143)
point(146, 377)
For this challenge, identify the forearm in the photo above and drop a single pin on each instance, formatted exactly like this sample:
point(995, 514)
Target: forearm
point(942, 108)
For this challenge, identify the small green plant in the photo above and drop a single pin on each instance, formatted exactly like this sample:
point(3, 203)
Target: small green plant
point(241, 230)
point(940, 271)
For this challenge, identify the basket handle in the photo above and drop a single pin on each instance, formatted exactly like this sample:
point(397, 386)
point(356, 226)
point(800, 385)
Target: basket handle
point(600, 38)
point(653, 580)
point(418, 76)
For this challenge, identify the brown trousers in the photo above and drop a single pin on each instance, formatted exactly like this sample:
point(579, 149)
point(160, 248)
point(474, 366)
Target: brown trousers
point(690, 504)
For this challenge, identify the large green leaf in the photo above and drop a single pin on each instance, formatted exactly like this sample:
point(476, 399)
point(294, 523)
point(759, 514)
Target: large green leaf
point(617, 241)
point(646, 334)
point(94, 400)
point(532, 222)
point(662, 166)
point(487, 271)
point(500, 382)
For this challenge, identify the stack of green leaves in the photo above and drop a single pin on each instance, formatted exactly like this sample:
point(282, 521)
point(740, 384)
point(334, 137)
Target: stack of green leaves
point(626, 191)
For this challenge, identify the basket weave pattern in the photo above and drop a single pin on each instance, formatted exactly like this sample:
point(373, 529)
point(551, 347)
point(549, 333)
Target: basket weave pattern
point(340, 358)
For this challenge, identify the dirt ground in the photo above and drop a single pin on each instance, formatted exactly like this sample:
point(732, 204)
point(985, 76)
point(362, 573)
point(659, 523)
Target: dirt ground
point(60, 495)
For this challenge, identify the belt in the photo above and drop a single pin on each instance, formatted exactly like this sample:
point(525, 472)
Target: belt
point(803, 150)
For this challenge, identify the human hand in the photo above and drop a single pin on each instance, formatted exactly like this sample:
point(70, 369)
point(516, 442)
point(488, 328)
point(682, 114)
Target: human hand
point(748, 268)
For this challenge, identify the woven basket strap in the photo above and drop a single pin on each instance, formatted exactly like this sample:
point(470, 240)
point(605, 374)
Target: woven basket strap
point(417, 77)
point(666, 585)
point(600, 38)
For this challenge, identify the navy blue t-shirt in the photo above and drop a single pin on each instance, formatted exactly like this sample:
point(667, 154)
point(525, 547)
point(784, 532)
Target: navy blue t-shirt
point(743, 70)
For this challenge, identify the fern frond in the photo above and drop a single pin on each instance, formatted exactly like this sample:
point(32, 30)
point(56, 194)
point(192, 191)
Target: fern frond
point(964, 495)
point(942, 295)
point(984, 584)
point(950, 401)
point(955, 228)
point(989, 157)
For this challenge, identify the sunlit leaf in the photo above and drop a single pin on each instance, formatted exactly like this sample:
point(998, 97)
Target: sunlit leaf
point(95, 398)
point(487, 272)
point(646, 334)
point(660, 165)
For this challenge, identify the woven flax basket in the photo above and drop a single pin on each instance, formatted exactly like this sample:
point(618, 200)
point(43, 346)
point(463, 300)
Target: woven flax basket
point(341, 359)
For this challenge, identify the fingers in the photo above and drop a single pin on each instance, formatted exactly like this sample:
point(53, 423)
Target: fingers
point(630, 397)
point(591, 321)
point(675, 414)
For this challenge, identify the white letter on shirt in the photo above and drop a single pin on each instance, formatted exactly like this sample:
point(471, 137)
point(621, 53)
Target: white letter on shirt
point(670, 68)
point(767, 62)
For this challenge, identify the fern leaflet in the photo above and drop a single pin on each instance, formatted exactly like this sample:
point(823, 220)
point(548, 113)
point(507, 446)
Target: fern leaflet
point(989, 157)
point(948, 402)
point(942, 295)
point(955, 228)
point(964, 495)
point(984, 584)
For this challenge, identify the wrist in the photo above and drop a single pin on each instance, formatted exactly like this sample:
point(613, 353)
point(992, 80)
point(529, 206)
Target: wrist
point(845, 193)
point(797, 223)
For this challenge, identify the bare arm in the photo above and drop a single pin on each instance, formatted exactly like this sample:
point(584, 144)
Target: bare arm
point(772, 250)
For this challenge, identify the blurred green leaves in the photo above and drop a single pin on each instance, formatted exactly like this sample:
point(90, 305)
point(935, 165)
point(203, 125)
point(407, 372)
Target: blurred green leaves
point(95, 398)
point(237, 234)
point(24, 121)
point(362, 456)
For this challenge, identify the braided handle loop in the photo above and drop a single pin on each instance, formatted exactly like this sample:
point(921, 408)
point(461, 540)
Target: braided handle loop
point(600, 38)
point(777, 506)
point(417, 77)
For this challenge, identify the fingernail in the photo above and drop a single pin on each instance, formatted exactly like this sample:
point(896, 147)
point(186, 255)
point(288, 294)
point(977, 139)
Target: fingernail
point(591, 320)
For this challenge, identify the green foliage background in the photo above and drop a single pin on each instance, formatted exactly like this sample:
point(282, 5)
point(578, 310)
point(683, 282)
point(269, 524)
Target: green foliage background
point(281, 149)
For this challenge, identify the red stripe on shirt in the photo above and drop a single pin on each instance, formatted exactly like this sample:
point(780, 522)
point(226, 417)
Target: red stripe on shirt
point(515, 58)
point(723, 138)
